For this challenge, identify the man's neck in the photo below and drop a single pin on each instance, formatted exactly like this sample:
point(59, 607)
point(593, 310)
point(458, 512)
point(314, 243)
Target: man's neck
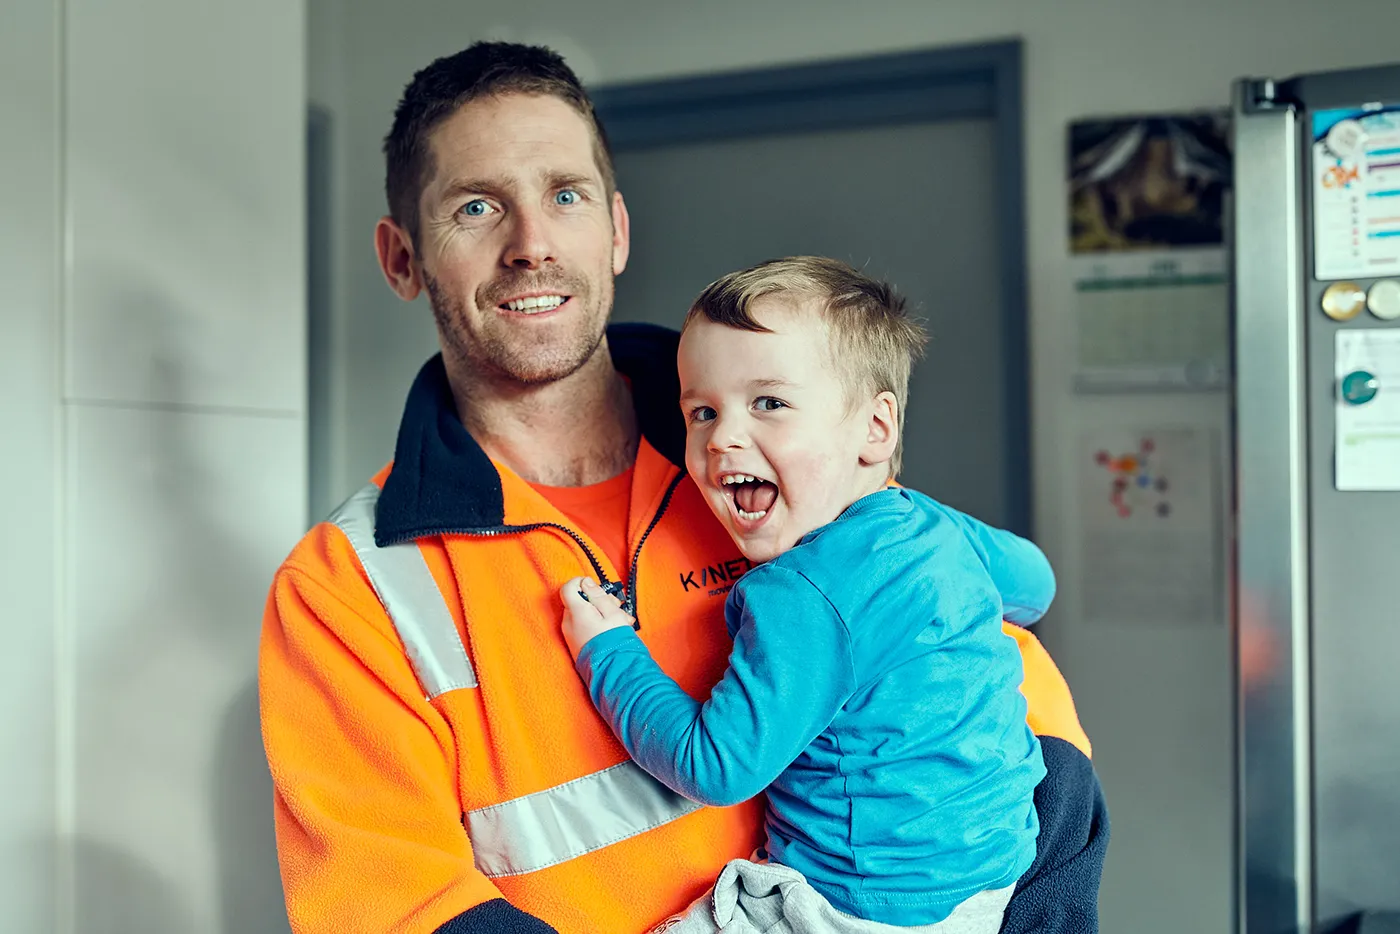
point(572, 432)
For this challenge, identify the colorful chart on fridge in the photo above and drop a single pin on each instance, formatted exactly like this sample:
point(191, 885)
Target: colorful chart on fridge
point(1356, 192)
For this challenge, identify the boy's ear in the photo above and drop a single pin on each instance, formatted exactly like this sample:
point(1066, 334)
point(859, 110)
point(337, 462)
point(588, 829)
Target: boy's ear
point(882, 431)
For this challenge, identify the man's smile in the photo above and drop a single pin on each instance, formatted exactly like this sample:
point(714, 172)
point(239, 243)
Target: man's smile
point(534, 304)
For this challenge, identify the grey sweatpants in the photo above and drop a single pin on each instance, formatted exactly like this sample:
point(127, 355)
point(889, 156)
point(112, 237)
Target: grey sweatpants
point(765, 898)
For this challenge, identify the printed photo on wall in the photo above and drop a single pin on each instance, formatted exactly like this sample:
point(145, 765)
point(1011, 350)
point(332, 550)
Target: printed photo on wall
point(1150, 527)
point(1148, 183)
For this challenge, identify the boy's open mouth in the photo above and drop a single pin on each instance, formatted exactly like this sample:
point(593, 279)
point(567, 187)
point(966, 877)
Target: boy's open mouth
point(752, 497)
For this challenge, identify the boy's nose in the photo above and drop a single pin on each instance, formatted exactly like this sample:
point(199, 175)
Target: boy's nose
point(727, 435)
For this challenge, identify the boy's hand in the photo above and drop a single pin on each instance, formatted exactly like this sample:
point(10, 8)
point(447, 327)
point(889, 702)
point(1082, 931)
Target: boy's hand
point(589, 610)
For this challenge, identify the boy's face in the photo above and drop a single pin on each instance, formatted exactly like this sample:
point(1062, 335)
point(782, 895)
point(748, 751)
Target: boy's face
point(772, 438)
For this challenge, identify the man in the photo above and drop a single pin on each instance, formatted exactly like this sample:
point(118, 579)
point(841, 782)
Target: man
point(438, 766)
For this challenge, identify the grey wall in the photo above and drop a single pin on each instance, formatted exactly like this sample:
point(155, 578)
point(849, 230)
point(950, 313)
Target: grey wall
point(30, 466)
point(152, 355)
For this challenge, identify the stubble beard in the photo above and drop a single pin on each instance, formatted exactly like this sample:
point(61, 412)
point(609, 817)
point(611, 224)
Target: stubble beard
point(510, 356)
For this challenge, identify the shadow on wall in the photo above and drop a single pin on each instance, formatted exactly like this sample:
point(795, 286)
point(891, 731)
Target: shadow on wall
point(170, 753)
point(123, 894)
point(230, 582)
point(118, 892)
point(136, 899)
point(250, 887)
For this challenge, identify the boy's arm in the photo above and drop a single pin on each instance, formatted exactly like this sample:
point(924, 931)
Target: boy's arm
point(1019, 569)
point(789, 673)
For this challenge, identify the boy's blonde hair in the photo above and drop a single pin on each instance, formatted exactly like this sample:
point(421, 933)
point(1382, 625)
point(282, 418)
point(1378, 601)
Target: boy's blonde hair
point(874, 341)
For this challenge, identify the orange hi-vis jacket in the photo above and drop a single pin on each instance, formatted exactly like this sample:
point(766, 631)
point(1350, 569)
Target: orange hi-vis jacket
point(438, 765)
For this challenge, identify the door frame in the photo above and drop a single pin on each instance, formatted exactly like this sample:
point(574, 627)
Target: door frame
point(958, 83)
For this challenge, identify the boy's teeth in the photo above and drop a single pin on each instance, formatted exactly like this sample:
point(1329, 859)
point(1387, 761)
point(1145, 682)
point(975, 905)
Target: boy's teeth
point(752, 516)
point(738, 478)
point(536, 304)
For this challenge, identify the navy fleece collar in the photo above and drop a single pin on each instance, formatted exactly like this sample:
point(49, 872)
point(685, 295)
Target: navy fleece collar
point(443, 482)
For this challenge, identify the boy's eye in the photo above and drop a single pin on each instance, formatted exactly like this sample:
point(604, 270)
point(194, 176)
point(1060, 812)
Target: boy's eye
point(566, 197)
point(477, 207)
point(702, 413)
point(768, 404)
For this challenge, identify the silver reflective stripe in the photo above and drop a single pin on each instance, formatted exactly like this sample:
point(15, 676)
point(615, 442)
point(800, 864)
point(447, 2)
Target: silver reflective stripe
point(551, 826)
point(411, 597)
point(534, 831)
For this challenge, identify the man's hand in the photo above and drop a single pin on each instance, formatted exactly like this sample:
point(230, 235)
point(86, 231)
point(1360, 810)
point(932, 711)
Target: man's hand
point(589, 610)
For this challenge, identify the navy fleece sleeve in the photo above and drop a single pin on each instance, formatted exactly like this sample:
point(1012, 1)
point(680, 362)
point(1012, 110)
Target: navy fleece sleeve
point(1059, 894)
point(789, 673)
point(496, 916)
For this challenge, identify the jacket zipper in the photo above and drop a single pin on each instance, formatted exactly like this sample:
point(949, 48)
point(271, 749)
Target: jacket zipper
point(630, 603)
point(495, 531)
point(616, 588)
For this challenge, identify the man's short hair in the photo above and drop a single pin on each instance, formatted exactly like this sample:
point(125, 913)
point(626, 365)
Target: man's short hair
point(484, 69)
point(874, 341)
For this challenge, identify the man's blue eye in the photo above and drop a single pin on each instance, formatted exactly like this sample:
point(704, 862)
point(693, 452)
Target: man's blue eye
point(567, 196)
point(477, 208)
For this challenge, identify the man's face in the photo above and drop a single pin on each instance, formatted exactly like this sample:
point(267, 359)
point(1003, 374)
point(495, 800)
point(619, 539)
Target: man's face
point(518, 241)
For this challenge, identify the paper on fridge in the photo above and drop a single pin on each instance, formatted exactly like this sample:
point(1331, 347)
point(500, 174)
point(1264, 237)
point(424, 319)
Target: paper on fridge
point(1356, 192)
point(1368, 409)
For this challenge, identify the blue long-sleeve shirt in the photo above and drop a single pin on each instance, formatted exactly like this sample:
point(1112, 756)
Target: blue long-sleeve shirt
point(872, 691)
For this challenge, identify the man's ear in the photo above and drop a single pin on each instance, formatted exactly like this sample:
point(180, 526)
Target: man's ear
point(394, 247)
point(882, 431)
point(622, 234)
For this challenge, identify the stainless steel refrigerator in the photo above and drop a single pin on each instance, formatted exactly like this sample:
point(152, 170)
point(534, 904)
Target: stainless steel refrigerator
point(1316, 254)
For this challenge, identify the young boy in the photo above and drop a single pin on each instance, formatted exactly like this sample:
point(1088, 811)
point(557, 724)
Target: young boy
point(871, 689)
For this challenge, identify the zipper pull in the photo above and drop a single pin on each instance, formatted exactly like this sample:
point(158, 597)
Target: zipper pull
point(616, 588)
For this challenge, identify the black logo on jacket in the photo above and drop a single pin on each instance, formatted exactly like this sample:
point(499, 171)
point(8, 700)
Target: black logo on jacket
point(716, 579)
